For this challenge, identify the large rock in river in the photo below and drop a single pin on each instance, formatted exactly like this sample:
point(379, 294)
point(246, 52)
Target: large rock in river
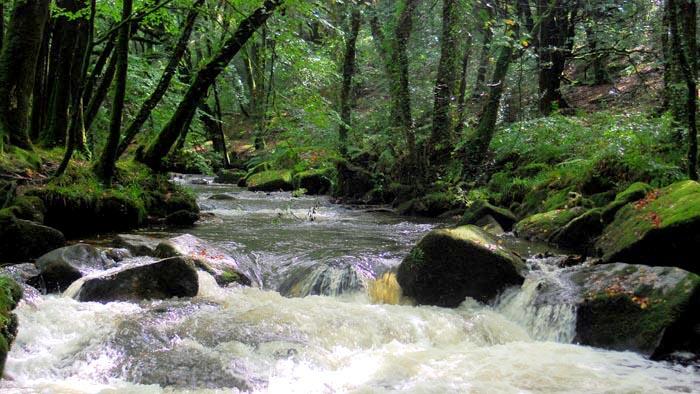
point(173, 277)
point(649, 310)
point(22, 240)
point(10, 294)
point(478, 212)
point(225, 268)
point(542, 226)
point(663, 229)
point(448, 265)
point(270, 181)
point(61, 267)
point(138, 245)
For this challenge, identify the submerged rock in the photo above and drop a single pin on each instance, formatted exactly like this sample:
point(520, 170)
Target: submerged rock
point(61, 267)
point(271, 181)
point(649, 310)
point(172, 277)
point(138, 245)
point(663, 229)
point(182, 218)
point(222, 197)
point(22, 240)
point(10, 294)
point(449, 265)
point(207, 257)
point(477, 212)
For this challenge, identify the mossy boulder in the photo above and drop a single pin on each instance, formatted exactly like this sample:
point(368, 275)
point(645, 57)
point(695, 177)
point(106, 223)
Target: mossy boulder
point(448, 265)
point(10, 295)
point(543, 226)
point(22, 240)
point(167, 278)
point(353, 181)
point(663, 229)
point(28, 208)
point(61, 267)
point(315, 182)
point(207, 257)
point(634, 192)
point(431, 205)
point(479, 209)
point(271, 181)
point(649, 310)
point(231, 177)
point(580, 233)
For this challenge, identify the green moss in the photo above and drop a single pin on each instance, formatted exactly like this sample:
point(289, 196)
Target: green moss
point(543, 225)
point(271, 180)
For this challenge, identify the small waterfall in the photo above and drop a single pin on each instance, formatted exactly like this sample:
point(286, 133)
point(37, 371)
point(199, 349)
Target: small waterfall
point(323, 279)
point(543, 304)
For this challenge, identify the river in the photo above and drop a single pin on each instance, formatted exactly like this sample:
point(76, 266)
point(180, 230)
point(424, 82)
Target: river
point(317, 324)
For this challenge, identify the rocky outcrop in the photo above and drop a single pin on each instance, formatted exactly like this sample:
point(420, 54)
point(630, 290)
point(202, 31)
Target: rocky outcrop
point(222, 266)
point(10, 294)
point(270, 181)
point(478, 211)
point(663, 229)
point(649, 310)
point(448, 265)
point(61, 267)
point(22, 240)
point(315, 182)
point(173, 277)
point(542, 226)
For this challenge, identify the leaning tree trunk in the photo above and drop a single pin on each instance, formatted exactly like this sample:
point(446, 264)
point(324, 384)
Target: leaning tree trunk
point(482, 70)
point(155, 152)
point(18, 61)
point(165, 79)
point(104, 168)
point(441, 136)
point(348, 73)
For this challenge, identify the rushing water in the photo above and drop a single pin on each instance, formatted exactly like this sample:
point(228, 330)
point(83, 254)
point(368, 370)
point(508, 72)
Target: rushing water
point(315, 326)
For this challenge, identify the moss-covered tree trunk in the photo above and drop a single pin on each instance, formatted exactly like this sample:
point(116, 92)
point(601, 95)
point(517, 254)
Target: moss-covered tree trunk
point(2, 22)
point(482, 69)
point(40, 93)
point(164, 83)
point(348, 73)
point(462, 93)
point(441, 135)
point(104, 168)
point(160, 147)
point(402, 92)
point(20, 51)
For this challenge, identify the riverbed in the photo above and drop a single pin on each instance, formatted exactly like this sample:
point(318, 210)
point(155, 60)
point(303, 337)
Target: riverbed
point(316, 321)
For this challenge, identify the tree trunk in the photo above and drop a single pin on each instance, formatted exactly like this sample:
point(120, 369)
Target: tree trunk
point(98, 97)
point(70, 45)
point(482, 70)
point(441, 136)
point(462, 98)
point(20, 51)
point(40, 93)
point(2, 23)
point(400, 85)
point(165, 79)
point(348, 73)
point(104, 168)
point(686, 67)
point(221, 136)
point(153, 155)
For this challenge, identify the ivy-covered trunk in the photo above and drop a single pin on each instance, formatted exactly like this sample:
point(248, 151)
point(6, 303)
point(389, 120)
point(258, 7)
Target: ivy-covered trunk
point(160, 147)
point(348, 73)
point(104, 168)
point(20, 51)
point(441, 136)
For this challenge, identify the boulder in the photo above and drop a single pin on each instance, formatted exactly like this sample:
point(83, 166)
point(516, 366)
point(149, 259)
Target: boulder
point(138, 245)
point(663, 229)
point(580, 233)
point(22, 240)
point(314, 181)
point(28, 208)
point(173, 277)
point(222, 266)
point(222, 197)
point(448, 265)
point(431, 205)
point(649, 310)
point(61, 267)
point(353, 181)
point(271, 181)
point(479, 209)
point(231, 177)
point(541, 226)
point(182, 218)
point(634, 192)
point(10, 295)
